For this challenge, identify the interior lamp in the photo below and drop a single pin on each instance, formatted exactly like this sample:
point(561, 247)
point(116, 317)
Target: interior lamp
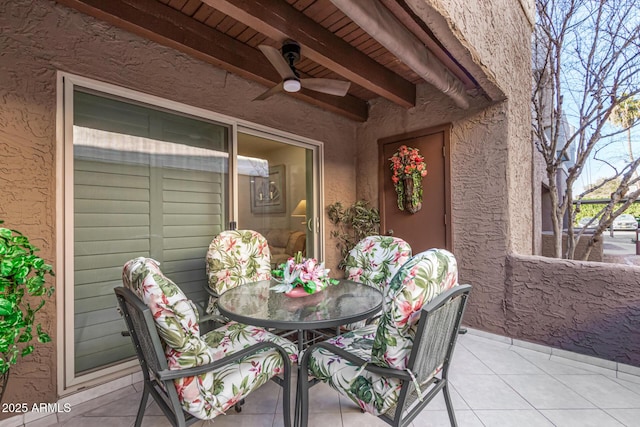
point(300, 210)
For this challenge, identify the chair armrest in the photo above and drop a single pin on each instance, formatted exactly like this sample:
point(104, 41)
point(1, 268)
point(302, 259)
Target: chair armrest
point(387, 372)
point(171, 374)
point(216, 318)
point(446, 296)
point(211, 292)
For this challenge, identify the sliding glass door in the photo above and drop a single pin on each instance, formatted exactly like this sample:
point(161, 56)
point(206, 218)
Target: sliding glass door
point(146, 177)
point(278, 198)
point(146, 182)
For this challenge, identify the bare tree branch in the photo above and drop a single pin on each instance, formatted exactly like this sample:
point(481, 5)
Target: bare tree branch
point(586, 63)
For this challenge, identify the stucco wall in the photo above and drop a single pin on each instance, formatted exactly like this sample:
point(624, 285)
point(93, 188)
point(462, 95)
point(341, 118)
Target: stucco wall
point(586, 307)
point(38, 38)
point(490, 144)
point(549, 246)
point(478, 183)
point(497, 35)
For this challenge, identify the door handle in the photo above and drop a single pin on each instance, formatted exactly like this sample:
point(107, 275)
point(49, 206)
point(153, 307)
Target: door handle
point(390, 232)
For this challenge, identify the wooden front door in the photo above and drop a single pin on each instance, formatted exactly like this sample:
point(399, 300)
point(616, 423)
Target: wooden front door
point(429, 227)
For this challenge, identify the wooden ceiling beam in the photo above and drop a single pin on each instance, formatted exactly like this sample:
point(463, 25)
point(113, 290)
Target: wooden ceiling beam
point(167, 26)
point(376, 20)
point(279, 21)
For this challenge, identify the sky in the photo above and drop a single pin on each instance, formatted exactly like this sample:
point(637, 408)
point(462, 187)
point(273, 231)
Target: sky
point(616, 152)
point(620, 24)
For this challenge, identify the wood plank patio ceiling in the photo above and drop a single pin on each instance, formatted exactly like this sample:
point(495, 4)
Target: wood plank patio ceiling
point(227, 33)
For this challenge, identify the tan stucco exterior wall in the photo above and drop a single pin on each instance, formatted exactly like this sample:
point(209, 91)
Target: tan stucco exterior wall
point(41, 37)
point(490, 144)
point(497, 34)
point(591, 308)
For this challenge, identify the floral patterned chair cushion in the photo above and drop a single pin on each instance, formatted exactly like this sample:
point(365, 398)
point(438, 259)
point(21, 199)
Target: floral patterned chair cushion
point(176, 320)
point(236, 257)
point(422, 278)
point(372, 392)
point(374, 261)
point(389, 343)
point(175, 315)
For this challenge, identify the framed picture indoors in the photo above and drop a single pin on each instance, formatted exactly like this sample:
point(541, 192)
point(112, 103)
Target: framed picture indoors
point(268, 195)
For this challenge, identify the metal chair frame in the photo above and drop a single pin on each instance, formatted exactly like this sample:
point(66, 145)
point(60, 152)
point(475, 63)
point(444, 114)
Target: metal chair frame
point(449, 303)
point(158, 378)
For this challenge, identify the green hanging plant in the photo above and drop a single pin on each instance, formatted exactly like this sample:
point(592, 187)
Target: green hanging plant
point(22, 273)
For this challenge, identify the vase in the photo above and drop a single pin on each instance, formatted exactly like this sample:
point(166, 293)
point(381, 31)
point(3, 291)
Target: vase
point(409, 189)
point(297, 292)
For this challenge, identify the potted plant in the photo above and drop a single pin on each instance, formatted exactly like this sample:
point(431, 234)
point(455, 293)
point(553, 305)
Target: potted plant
point(353, 223)
point(22, 294)
point(301, 276)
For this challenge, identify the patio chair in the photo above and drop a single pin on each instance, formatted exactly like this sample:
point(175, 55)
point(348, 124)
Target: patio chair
point(373, 261)
point(193, 377)
point(393, 370)
point(235, 257)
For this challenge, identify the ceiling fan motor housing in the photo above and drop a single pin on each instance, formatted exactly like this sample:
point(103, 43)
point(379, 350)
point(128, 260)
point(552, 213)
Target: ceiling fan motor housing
point(291, 51)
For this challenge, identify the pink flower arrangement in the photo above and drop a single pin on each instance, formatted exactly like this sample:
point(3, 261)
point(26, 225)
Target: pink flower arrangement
point(407, 162)
point(301, 272)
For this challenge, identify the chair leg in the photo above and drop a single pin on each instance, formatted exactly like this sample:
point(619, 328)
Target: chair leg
point(447, 401)
point(303, 394)
point(286, 395)
point(238, 406)
point(302, 413)
point(143, 406)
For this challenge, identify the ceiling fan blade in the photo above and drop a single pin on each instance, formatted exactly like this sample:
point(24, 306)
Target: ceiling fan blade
point(330, 86)
point(272, 91)
point(277, 60)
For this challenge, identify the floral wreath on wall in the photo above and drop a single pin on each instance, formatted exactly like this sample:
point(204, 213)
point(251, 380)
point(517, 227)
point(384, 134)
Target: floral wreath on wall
point(407, 170)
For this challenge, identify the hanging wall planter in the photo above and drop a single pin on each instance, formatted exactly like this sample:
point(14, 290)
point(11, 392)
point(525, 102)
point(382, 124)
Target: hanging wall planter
point(407, 170)
point(412, 195)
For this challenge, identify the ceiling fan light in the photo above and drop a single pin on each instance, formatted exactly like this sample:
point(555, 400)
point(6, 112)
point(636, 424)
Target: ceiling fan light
point(291, 85)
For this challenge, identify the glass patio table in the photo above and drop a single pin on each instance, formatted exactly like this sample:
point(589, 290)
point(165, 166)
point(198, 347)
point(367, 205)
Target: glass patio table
point(341, 304)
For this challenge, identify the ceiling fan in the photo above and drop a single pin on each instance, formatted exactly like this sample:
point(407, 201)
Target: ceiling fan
point(284, 63)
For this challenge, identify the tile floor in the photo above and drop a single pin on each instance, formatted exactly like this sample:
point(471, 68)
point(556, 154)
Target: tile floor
point(493, 384)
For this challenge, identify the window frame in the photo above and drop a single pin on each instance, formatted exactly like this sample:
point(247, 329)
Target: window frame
point(67, 380)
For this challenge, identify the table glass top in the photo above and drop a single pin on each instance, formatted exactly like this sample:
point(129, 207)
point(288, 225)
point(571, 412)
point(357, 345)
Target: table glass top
point(255, 304)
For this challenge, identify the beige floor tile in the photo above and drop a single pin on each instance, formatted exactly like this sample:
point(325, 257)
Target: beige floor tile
point(488, 392)
point(44, 421)
point(322, 398)
point(244, 420)
point(357, 419)
point(99, 422)
point(602, 391)
point(545, 392)
point(438, 404)
point(93, 404)
point(328, 419)
point(581, 418)
point(441, 419)
point(480, 397)
point(520, 418)
point(628, 417)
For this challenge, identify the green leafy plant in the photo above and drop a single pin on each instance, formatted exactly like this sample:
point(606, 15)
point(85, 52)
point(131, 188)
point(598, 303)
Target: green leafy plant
point(353, 224)
point(22, 274)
